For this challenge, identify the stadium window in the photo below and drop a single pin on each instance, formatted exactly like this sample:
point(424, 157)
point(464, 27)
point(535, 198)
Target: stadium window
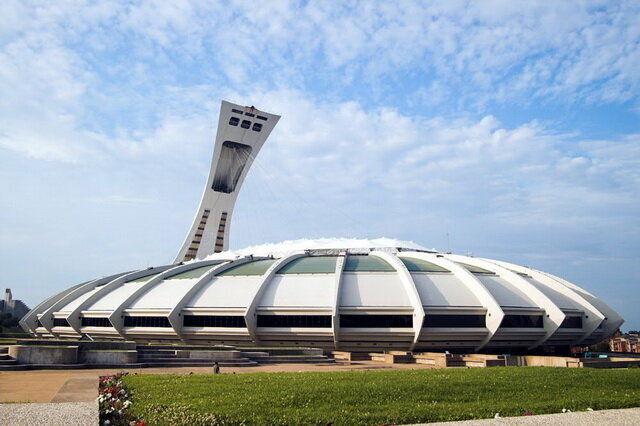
point(256, 127)
point(522, 321)
point(61, 322)
point(571, 322)
point(233, 121)
point(454, 321)
point(146, 322)
point(235, 321)
point(95, 322)
point(363, 263)
point(303, 321)
point(376, 321)
point(245, 124)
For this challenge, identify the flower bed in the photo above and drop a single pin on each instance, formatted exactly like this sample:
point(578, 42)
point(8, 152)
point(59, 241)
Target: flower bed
point(113, 401)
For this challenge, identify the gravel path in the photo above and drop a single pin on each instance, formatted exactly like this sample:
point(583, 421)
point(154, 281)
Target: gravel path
point(628, 416)
point(50, 414)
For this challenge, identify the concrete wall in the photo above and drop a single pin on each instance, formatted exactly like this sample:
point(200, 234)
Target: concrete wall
point(108, 357)
point(212, 355)
point(39, 354)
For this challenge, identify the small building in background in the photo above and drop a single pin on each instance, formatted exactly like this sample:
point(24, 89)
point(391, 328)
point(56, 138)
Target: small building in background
point(625, 343)
point(16, 308)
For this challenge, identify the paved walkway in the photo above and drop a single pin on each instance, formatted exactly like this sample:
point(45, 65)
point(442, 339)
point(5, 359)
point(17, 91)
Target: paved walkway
point(62, 414)
point(628, 416)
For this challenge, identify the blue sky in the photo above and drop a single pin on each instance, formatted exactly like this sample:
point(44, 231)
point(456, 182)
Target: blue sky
point(513, 127)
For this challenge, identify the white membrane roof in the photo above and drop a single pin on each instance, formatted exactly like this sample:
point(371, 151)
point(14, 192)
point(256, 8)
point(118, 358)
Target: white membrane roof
point(290, 246)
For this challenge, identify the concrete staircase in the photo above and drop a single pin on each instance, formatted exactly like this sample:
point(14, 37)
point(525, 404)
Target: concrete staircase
point(153, 356)
point(7, 363)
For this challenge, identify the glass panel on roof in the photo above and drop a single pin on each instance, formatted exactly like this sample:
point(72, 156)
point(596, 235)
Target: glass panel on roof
point(257, 267)
point(145, 278)
point(192, 273)
point(475, 269)
point(419, 265)
point(367, 264)
point(310, 265)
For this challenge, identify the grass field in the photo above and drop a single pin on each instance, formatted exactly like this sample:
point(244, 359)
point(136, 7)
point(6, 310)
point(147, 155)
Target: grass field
point(376, 397)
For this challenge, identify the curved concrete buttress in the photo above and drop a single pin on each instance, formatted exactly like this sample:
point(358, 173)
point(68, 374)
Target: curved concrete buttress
point(250, 312)
point(74, 317)
point(553, 314)
point(411, 290)
point(117, 316)
point(47, 317)
point(593, 316)
point(494, 315)
point(175, 316)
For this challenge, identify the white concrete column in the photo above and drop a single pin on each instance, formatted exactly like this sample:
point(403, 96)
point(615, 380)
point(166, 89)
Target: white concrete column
point(410, 288)
point(250, 313)
point(553, 314)
point(335, 311)
point(494, 315)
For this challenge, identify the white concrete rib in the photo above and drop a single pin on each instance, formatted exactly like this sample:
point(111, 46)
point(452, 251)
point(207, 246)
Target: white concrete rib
point(494, 315)
point(411, 290)
point(116, 318)
point(175, 316)
point(553, 314)
point(47, 316)
point(593, 317)
point(335, 311)
point(250, 312)
point(74, 317)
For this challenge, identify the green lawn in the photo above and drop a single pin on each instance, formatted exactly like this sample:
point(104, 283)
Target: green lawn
point(376, 397)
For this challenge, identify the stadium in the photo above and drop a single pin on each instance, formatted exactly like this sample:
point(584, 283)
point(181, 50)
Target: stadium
point(343, 294)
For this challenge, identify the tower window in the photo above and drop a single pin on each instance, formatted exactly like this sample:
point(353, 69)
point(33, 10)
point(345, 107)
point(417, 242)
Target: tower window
point(260, 117)
point(245, 124)
point(257, 127)
point(234, 121)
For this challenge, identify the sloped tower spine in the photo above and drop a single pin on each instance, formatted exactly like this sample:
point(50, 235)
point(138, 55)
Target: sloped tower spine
point(241, 133)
